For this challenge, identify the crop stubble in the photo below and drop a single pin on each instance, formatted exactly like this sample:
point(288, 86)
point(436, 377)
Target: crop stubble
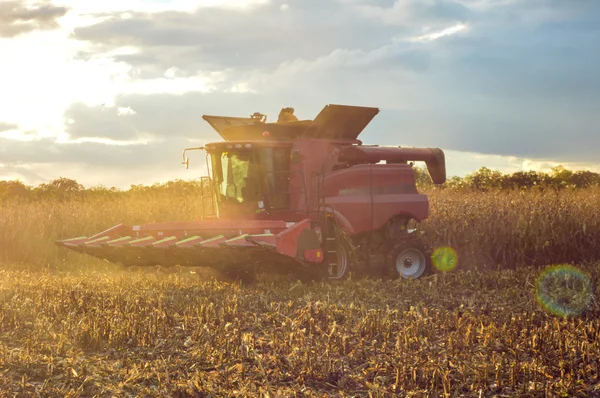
point(117, 333)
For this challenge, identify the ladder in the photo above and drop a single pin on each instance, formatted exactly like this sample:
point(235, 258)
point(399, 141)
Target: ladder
point(329, 234)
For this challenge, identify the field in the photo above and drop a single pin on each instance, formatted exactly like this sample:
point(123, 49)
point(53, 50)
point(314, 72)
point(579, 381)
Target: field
point(501, 324)
point(119, 333)
point(489, 230)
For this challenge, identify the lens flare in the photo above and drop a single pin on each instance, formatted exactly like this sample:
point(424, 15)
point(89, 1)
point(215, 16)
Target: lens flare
point(445, 258)
point(564, 290)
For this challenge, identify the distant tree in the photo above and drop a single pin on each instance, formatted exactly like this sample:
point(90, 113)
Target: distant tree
point(455, 182)
point(484, 179)
point(560, 176)
point(422, 177)
point(13, 189)
point(585, 179)
point(522, 179)
point(60, 188)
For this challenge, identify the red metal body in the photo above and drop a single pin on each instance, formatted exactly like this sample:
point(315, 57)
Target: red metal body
point(309, 175)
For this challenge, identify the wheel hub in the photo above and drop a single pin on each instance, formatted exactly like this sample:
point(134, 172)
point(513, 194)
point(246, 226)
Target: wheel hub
point(410, 263)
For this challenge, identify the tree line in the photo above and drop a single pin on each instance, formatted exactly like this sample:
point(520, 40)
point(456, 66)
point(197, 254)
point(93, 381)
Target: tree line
point(483, 179)
point(486, 179)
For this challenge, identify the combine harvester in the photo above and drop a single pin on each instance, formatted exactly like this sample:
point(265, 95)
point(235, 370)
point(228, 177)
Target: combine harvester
point(292, 195)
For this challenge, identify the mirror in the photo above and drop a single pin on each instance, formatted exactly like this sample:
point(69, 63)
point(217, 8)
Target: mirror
point(186, 160)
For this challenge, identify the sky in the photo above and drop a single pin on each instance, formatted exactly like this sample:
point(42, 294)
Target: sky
point(110, 92)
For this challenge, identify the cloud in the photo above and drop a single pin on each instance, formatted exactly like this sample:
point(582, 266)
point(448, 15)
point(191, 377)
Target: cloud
point(92, 154)
point(482, 102)
point(214, 39)
point(162, 116)
point(98, 122)
point(7, 127)
point(411, 12)
point(98, 164)
point(94, 163)
point(17, 17)
point(436, 35)
point(157, 6)
point(548, 137)
point(125, 111)
point(498, 77)
point(482, 129)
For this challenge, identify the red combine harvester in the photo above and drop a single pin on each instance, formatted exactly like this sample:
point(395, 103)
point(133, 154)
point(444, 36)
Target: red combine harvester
point(292, 195)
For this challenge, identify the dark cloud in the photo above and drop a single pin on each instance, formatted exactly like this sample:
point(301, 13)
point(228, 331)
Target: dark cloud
point(553, 137)
point(100, 121)
point(216, 38)
point(407, 12)
point(97, 155)
point(16, 17)
point(176, 117)
point(169, 123)
point(493, 126)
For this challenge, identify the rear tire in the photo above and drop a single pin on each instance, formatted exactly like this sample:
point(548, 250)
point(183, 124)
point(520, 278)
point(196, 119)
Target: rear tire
point(409, 259)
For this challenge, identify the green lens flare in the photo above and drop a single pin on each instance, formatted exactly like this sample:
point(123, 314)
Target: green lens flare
point(445, 258)
point(564, 290)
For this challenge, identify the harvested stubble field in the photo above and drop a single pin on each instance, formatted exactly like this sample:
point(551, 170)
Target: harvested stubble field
point(71, 326)
point(118, 333)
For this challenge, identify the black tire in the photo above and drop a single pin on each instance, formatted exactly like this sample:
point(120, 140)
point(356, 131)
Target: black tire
point(341, 271)
point(409, 258)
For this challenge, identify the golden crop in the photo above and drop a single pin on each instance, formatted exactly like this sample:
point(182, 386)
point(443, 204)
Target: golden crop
point(29, 229)
point(494, 229)
point(74, 326)
point(508, 229)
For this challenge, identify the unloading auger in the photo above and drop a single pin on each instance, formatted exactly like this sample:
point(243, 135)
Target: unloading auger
point(293, 194)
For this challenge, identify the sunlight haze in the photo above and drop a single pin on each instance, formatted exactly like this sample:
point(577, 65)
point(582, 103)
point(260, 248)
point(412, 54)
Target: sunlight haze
point(93, 89)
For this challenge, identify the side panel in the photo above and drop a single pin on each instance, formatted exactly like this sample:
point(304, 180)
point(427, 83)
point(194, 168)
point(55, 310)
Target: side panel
point(395, 193)
point(367, 196)
point(348, 192)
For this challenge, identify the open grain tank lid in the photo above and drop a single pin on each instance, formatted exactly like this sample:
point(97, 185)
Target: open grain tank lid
point(341, 122)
